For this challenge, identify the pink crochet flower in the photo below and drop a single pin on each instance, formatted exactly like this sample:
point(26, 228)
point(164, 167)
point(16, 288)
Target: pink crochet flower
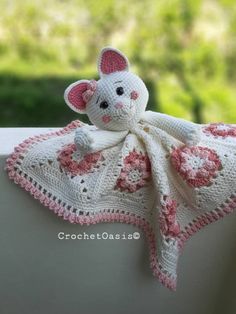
point(197, 165)
point(91, 88)
point(70, 162)
point(135, 172)
point(167, 218)
point(220, 129)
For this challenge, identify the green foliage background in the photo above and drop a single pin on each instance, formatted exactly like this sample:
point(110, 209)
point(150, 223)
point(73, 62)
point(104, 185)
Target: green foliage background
point(185, 50)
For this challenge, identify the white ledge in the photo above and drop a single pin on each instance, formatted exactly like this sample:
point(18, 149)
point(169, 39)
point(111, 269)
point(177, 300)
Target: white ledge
point(11, 137)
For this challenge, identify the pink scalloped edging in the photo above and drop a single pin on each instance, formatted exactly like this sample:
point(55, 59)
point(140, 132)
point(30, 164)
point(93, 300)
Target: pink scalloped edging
point(61, 211)
point(196, 225)
point(205, 219)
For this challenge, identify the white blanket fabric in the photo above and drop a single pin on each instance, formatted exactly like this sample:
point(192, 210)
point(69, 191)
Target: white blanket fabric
point(147, 176)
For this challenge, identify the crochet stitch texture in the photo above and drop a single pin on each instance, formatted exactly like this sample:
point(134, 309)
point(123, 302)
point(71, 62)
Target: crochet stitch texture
point(166, 175)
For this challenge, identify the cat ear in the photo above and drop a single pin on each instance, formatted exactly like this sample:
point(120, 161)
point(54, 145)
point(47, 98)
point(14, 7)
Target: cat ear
point(112, 60)
point(74, 95)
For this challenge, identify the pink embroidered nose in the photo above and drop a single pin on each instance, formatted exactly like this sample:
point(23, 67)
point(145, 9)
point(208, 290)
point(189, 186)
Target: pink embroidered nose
point(106, 118)
point(119, 105)
point(134, 95)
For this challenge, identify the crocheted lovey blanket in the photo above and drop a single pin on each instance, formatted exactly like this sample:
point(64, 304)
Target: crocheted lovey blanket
point(166, 175)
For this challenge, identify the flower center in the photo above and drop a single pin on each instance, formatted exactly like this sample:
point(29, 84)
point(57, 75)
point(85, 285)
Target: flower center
point(134, 175)
point(195, 162)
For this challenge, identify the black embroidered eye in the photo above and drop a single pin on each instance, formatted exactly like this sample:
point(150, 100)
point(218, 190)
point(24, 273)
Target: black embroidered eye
point(120, 91)
point(103, 104)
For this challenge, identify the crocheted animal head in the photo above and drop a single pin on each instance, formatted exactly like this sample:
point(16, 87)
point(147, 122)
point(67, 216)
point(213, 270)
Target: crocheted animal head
point(117, 100)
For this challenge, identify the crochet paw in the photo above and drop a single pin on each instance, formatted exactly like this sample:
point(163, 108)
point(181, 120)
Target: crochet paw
point(193, 137)
point(83, 139)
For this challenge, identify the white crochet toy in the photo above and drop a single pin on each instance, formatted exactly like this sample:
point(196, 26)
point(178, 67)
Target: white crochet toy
point(117, 102)
point(168, 176)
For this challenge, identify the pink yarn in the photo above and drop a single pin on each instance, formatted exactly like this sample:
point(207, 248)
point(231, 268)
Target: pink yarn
point(112, 62)
point(88, 94)
point(77, 167)
point(220, 129)
point(134, 95)
point(135, 173)
point(106, 118)
point(167, 218)
point(75, 96)
point(197, 165)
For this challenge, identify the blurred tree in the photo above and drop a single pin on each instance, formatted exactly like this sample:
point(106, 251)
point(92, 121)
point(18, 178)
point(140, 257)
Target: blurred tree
point(183, 49)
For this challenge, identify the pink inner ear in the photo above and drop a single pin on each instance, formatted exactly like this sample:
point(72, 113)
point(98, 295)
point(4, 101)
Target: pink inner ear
point(112, 62)
point(75, 96)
